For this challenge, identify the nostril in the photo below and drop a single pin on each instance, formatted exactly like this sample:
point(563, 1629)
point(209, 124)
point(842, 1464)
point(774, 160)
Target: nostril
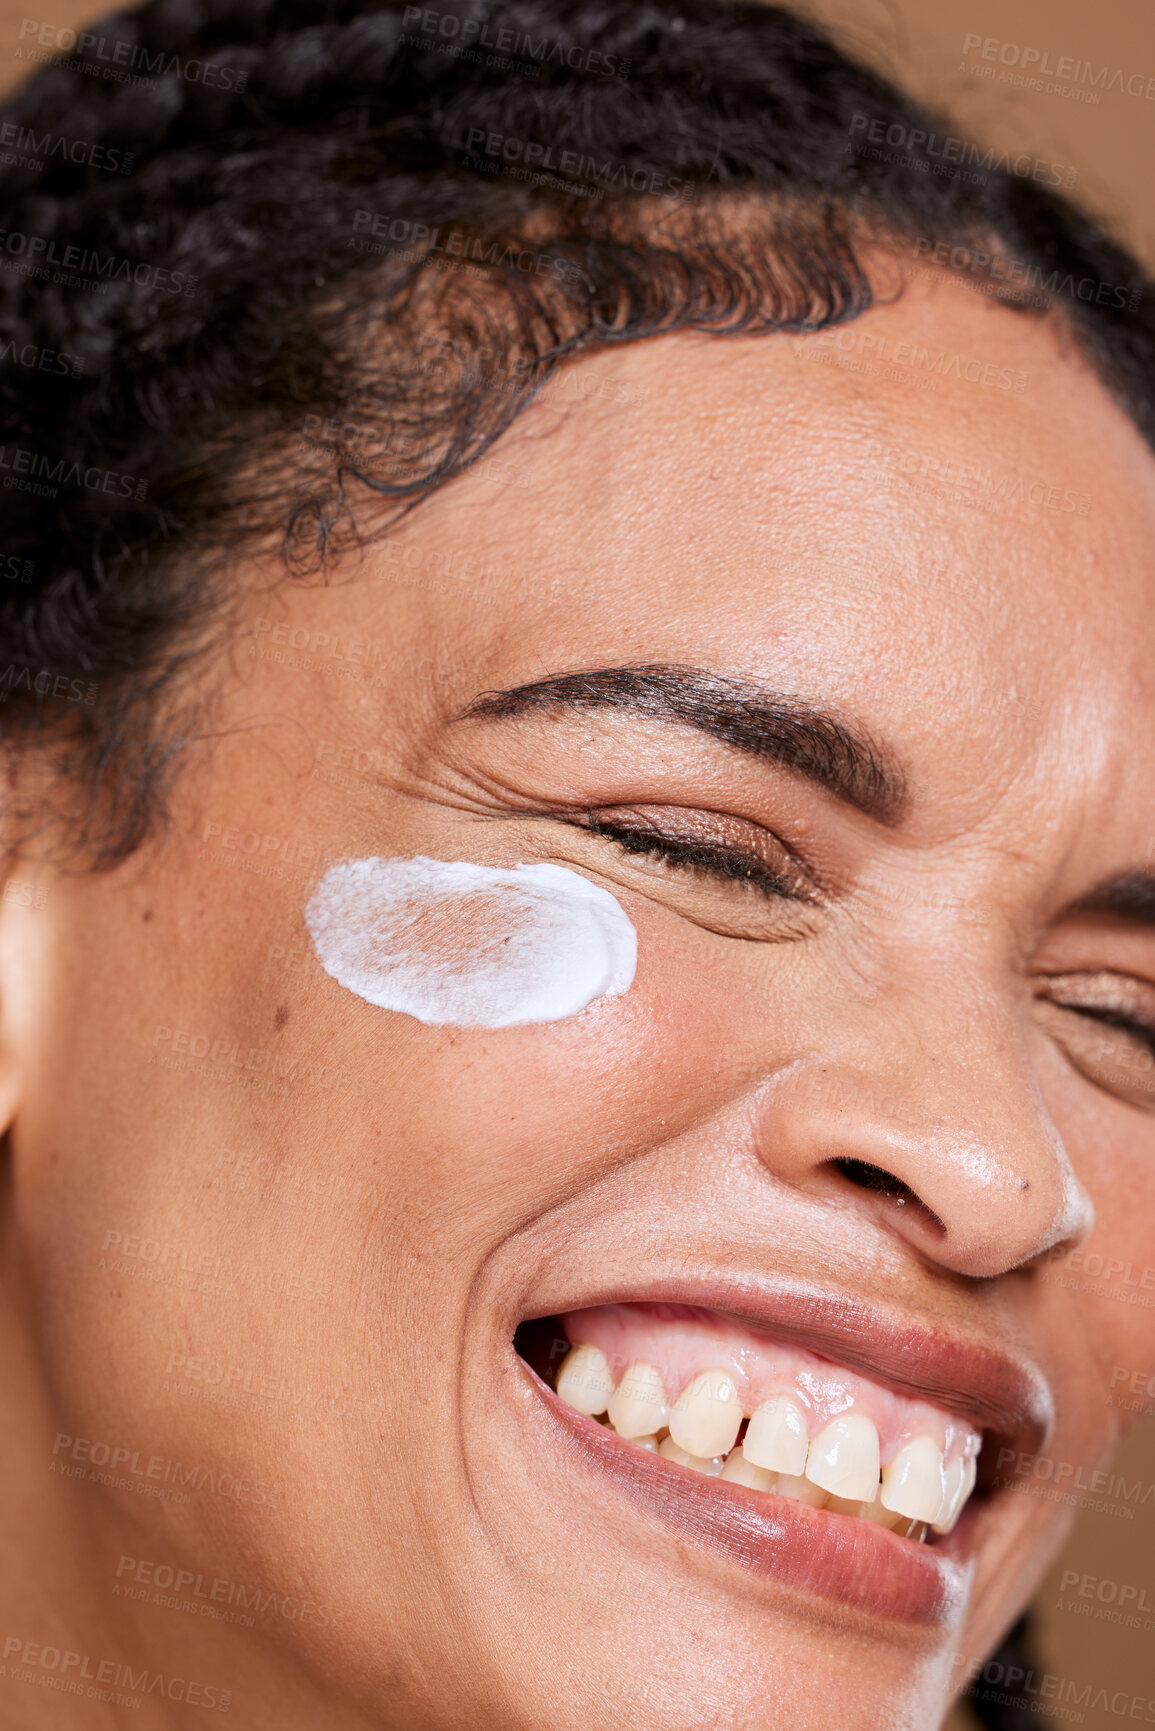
point(867, 1177)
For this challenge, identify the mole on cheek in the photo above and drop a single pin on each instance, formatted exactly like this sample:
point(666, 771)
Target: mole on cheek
point(450, 942)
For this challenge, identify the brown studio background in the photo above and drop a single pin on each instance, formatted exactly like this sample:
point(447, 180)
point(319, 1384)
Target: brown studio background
point(1110, 145)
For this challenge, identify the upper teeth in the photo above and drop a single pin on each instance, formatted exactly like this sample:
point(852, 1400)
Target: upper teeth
point(839, 1467)
point(843, 1459)
point(914, 1484)
point(776, 1436)
point(637, 1406)
point(960, 1475)
point(585, 1380)
point(707, 1416)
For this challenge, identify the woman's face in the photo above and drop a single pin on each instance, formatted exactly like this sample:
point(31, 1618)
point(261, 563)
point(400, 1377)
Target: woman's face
point(284, 1237)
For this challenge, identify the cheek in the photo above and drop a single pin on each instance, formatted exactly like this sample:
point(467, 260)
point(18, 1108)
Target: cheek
point(1108, 1285)
point(1100, 1296)
point(507, 1121)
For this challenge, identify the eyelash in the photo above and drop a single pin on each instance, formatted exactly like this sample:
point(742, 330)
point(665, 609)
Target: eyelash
point(704, 858)
point(1140, 1031)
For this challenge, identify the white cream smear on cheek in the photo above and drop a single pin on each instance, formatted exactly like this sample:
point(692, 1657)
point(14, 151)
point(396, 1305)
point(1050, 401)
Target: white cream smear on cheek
point(473, 946)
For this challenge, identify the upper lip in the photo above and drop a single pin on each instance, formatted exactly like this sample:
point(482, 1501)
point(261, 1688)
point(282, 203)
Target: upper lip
point(995, 1389)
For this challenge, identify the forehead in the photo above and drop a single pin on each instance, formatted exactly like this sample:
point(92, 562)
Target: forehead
point(934, 516)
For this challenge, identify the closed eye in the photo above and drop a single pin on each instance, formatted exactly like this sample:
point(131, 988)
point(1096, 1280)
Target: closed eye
point(1106, 1025)
point(763, 863)
point(1138, 1030)
point(1115, 1000)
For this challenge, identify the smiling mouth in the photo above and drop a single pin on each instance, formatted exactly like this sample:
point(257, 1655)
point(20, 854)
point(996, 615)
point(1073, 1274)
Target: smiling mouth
point(780, 1458)
point(688, 1386)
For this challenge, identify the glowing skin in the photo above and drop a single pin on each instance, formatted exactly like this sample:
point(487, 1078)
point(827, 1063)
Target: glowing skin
point(449, 942)
point(402, 1196)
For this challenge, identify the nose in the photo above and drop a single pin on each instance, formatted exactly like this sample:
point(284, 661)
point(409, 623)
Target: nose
point(941, 1130)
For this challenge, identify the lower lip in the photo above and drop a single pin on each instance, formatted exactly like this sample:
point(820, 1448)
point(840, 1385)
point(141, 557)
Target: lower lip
point(852, 1563)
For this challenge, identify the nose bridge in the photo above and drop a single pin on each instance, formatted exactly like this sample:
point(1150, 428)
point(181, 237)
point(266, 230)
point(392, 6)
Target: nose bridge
point(937, 1094)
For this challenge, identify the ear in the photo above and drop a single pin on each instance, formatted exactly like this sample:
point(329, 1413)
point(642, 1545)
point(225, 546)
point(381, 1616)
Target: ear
point(25, 946)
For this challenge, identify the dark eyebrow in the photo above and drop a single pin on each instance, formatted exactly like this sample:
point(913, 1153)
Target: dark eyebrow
point(809, 741)
point(1130, 896)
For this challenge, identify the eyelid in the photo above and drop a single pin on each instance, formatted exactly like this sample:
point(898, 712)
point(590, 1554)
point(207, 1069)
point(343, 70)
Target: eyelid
point(1116, 1055)
point(694, 850)
point(1105, 1018)
point(1122, 1000)
point(1121, 1003)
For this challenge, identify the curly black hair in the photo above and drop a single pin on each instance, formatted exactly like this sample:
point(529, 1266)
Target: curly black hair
point(263, 261)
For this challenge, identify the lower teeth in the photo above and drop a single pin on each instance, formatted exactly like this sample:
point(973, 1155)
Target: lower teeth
point(735, 1469)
